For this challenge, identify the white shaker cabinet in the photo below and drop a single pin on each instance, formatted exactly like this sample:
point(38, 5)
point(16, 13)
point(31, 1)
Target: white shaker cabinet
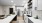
point(34, 4)
point(25, 18)
point(37, 4)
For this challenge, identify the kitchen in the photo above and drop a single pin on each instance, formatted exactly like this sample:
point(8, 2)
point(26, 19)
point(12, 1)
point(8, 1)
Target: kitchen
point(20, 11)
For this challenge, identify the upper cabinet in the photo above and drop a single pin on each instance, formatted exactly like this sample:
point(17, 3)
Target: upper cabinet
point(37, 4)
point(34, 4)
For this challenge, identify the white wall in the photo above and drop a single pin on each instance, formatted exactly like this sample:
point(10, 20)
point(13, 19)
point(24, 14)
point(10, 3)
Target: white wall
point(1, 10)
point(6, 9)
point(26, 5)
point(21, 8)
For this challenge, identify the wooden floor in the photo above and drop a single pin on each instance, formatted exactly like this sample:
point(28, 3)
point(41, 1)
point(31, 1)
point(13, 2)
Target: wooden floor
point(19, 17)
point(19, 20)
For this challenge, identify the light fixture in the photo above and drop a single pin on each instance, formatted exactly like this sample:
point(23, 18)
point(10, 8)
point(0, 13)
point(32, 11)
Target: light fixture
point(11, 1)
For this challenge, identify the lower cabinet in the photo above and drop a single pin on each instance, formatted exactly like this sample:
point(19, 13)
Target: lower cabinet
point(25, 19)
point(29, 21)
point(15, 19)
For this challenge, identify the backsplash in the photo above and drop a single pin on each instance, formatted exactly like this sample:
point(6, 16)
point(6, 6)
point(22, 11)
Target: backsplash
point(36, 12)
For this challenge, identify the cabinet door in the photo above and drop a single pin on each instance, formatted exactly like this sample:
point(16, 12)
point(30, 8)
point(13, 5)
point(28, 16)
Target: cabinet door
point(26, 19)
point(39, 5)
point(29, 21)
point(34, 4)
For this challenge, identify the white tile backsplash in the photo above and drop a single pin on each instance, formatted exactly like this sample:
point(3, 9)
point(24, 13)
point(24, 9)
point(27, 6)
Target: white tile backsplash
point(36, 12)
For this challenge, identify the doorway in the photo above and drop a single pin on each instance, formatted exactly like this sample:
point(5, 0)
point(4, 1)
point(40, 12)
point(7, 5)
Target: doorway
point(11, 10)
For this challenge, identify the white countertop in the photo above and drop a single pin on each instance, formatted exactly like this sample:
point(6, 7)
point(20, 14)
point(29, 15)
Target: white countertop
point(35, 20)
point(8, 19)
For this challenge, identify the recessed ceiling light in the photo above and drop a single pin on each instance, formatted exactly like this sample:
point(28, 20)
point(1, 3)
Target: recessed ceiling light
point(11, 1)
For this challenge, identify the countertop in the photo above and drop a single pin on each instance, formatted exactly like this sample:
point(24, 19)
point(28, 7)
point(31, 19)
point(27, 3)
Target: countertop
point(8, 19)
point(35, 20)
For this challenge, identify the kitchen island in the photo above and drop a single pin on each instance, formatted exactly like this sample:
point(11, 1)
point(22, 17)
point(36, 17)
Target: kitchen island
point(7, 19)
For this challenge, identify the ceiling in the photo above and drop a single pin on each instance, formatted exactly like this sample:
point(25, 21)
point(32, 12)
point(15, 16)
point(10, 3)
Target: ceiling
point(13, 2)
